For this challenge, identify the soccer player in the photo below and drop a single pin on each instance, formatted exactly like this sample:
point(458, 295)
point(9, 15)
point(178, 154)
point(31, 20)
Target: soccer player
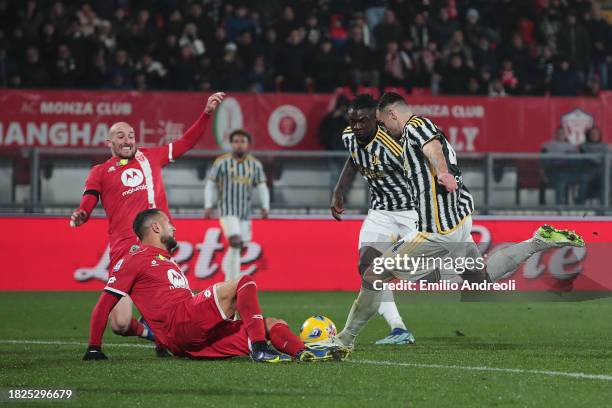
point(127, 183)
point(378, 157)
point(231, 179)
point(445, 206)
point(194, 326)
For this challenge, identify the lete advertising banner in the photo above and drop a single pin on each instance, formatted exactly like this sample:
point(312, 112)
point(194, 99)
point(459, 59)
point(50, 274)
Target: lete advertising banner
point(46, 254)
point(283, 121)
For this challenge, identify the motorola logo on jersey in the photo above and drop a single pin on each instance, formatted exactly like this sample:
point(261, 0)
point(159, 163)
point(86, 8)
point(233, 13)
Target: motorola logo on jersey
point(177, 280)
point(132, 177)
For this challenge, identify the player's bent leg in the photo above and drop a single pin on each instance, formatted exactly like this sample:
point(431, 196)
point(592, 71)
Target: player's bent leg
point(388, 309)
point(121, 320)
point(231, 261)
point(225, 296)
point(364, 307)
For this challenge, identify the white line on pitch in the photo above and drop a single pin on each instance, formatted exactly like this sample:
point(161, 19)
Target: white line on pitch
point(601, 377)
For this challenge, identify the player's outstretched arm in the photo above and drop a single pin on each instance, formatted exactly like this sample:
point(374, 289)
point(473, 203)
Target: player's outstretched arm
point(435, 155)
point(344, 181)
point(81, 214)
point(99, 317)
point(193, 134)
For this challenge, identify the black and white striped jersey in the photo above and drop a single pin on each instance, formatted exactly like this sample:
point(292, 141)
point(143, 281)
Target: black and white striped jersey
point(439, 211)
point(235, 179)
point(381, 165)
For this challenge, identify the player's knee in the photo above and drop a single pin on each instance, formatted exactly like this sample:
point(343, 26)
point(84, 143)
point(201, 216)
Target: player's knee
point(119, 325)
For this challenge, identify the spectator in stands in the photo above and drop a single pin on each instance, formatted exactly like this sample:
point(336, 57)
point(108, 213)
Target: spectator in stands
point(66, 73)
point(398, 68)
point(247, 50)
point(444, 27)
point(292, 64)
point(509, 78)
point(314, 32)
point(260, 78)
point(358, 59)
point(190, 39)
point(542, 72)
point(337, 33)
point(574, 43)
point(558, 172)
point(420, 32)
point(326, 65)
point(520, 58)
point(388, 30)
point(472, 29)
point(600, 34)
point(456, 77)
point(496, 88)
point(590, 186)
point(121, 72)
point(34, 74)
point(564, 81)
point(229, 70)
point(457, 45)
point(484, 55)
point(153, 72)
point(239, 22)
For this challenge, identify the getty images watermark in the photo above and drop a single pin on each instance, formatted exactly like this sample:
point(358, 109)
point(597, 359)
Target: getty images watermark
point(416, 273)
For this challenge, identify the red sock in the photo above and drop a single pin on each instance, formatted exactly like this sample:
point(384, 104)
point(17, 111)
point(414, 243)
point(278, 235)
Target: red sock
point(284, 340)
point(135, 328)
point(247, 305)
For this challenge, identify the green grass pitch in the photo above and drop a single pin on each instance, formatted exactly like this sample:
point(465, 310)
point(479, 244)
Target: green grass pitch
point(501, 354)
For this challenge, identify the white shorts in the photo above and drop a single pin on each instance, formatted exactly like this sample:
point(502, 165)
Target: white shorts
point(449, 253)
point(232, 225)
point(382, 228)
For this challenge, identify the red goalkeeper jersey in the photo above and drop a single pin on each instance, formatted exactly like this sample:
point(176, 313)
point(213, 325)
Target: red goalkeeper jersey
point(128, 186)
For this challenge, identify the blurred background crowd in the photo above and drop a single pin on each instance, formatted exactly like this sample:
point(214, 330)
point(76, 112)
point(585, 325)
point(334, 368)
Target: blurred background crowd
point(451, 47)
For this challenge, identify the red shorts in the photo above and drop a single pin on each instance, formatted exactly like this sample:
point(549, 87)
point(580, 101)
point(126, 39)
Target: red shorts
point(201, 330)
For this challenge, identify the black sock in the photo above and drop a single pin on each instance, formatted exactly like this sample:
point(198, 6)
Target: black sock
point(259, 346)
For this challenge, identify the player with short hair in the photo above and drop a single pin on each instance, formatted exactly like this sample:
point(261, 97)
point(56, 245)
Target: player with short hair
point(445, 206)
point(231, 179)
point(127, 183)
point(195, 326)
point(378, 157)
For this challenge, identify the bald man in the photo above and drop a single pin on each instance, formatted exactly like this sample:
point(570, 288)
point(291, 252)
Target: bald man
point(128, 183)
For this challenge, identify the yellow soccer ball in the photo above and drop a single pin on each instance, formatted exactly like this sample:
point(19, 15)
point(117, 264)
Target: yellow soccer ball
point(317, 328)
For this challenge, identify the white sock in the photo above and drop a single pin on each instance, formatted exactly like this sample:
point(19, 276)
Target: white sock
point(231, 263)
point(507, 260)
point(388, 310)
point(364, 307)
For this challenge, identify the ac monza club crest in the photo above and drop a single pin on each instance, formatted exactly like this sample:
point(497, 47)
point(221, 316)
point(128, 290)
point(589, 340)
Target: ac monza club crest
point(287, 125)
point(576, 123)
point(228, 117)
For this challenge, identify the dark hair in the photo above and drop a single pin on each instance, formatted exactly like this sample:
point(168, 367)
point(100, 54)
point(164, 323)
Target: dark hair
point(240, 132)
point(389, 98)
point(141, 219)
point(363, 101)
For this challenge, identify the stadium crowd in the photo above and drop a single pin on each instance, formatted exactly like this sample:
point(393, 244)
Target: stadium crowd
point(478, 47)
